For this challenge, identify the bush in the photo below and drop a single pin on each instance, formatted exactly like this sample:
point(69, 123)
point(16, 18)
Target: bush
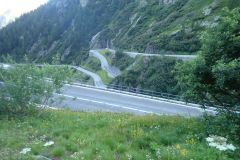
point(226, 125)
point(24, 87)
point(150, 73)
point(213, 78)
point(122, 60)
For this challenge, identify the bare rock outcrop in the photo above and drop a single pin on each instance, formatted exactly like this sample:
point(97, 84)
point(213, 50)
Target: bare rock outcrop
point(83, 3)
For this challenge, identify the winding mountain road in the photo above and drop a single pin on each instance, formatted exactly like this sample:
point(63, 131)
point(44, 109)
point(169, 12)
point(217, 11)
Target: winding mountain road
point(135, 54)
point(97, 80)
point(79, 97)
point(181, 57)
point(112, 71)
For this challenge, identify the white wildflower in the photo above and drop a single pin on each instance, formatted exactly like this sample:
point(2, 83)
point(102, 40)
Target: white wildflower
point(231, 147)
point(50, 143)
point(221, 139)
point(129, 157)
point(26, 150)
point(148, 157)
point(158, 153)
point(209, 139)
point(222, 147)
point(77, 155)
point(220, 143)
point(212, 144)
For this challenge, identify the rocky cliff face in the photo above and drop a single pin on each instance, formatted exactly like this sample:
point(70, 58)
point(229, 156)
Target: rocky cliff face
point(83, 3)
point(98, 41)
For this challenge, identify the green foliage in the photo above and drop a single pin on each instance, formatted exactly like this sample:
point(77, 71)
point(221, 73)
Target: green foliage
point(104, 76)
point(65, 28)
point(122, 60)
point(79, 135)
point(58, 152)
point(25, 86)
point(93, 64)
point(59, 27)
point(214, 77)
point(81, 77)
point(107, 54)
point(223, 123)
point(155, 74)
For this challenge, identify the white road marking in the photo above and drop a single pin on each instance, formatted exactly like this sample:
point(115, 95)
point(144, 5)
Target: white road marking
point(110, 104)
point(135, 96)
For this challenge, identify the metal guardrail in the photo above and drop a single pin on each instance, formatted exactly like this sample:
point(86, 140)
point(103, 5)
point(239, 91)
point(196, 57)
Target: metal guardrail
point(145, 92)
point(138, 91)
point(152, 95)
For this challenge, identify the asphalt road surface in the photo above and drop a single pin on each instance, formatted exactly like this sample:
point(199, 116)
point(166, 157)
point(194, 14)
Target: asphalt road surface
point(96, 78)
point(180, 57)
point(80, 98)
point(111, 70)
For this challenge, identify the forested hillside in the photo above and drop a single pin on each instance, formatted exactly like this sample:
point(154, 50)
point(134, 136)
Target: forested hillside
point(68, 28)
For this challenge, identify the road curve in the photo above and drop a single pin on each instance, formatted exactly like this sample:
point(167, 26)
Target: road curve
point(97, 80)
point(82, 98)
point(112, 71)
point(181, 57)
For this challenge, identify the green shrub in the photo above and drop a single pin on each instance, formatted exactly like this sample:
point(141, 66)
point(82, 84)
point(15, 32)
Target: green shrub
point(226, 125)
point(122, 60)
point(58, 152)
point(213, 78)
point(25, 86)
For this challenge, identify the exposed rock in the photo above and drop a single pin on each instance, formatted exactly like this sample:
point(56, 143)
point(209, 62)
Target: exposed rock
point(95, 44)
point(167, 2)
point(66, 53)
point(35, 46)
point(136, 22)
point(61, 4)
point(209, 24)
point(52, 46)
point(142, 3)
point(133, 18)
point(83, 3)
point(208, 9)
point(133, 25)
point(42, 52)
point(98, 41)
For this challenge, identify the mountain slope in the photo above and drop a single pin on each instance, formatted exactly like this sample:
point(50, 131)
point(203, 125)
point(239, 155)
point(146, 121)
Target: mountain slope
point(68, 28)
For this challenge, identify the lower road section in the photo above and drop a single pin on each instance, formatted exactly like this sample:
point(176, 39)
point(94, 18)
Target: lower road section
point(96, 78)
point(80, 98)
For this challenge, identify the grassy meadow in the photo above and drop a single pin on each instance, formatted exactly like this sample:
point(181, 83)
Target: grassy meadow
point(106, 136)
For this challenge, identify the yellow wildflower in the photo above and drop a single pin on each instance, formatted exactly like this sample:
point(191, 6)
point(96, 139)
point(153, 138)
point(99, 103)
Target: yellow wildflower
point(183, 152)
point(178, 146)
point(191, 141)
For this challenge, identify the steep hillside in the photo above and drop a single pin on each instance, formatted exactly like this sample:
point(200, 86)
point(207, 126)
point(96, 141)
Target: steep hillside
point(61, 27)
point(161, 26)
point(68, 28)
